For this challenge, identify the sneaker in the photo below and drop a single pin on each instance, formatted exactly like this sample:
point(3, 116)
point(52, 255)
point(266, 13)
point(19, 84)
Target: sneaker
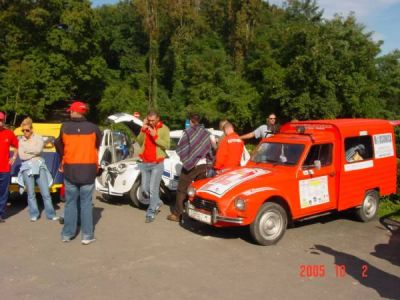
point(55, 218)
point(87, 242)
point(34, 219)
point(2, 220)
point(149, 219)
point(66, 240)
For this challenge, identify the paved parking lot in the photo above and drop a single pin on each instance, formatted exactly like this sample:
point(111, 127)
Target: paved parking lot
point(162, 260)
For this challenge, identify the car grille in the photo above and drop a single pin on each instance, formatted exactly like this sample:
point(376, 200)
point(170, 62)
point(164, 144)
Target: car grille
point(204, 204)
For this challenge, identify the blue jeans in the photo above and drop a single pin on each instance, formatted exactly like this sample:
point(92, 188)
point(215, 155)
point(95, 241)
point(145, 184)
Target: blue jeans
point(41, 181)
point(74, 194)
point(150, 184)
point(4, 183)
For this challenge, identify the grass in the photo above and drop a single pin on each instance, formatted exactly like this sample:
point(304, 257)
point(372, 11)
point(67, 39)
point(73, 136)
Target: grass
point(390, 207)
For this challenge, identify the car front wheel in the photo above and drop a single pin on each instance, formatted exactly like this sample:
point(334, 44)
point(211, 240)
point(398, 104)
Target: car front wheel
point(136, 197)
point(270, 224)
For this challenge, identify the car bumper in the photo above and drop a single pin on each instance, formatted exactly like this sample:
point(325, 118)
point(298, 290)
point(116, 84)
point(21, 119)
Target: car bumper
point(106, 189)
point(210, 218)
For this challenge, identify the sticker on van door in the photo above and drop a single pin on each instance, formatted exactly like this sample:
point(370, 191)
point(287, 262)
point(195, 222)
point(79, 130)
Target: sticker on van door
point(313, 191)
point(383, 145)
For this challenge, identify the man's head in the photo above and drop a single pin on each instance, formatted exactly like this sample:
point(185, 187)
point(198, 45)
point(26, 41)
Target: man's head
point(78, 109)
point(152, 118)
point(222, 123)
point(2, 119)
point(228, 128)
point(195, 119)
point(271, 120)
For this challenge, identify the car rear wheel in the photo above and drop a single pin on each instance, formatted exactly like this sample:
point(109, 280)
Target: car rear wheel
point(369, 208)
point(136, 197)
point(270, 224)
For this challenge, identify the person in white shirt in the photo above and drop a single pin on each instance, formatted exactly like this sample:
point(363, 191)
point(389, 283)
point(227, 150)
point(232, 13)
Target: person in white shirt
point(265, 130)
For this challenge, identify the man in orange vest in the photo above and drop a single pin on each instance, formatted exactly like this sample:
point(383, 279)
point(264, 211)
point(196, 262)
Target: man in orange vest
point(230, 149)
point(78, 144)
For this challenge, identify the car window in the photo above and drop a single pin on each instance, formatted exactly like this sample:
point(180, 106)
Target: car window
point(278, 153)
point(358, 148)
point(321, 152)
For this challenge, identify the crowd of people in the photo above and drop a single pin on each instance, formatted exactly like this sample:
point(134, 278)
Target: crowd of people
point(78, 144)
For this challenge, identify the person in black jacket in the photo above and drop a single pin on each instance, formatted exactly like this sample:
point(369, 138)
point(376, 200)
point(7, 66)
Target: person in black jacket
point(78, 144)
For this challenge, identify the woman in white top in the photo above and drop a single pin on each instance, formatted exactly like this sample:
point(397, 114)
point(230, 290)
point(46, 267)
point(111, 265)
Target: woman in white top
point(33, 169)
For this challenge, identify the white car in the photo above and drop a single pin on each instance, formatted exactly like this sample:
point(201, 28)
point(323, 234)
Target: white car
point(123, 178)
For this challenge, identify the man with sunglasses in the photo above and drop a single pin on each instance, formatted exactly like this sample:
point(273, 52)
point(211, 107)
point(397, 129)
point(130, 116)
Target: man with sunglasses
point(264, 130)
point(7, 139)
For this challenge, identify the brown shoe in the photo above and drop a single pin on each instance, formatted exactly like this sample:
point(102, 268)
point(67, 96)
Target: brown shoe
point(173, 217)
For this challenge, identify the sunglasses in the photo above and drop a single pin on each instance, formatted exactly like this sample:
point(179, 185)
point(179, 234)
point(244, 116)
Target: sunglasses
point(26, 130)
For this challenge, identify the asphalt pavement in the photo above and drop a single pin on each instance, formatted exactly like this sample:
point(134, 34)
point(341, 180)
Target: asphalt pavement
point(331, 257)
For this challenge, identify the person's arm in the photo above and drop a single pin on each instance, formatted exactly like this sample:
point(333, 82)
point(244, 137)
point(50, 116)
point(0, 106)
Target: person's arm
point(183, 148)
point(98, 137)
point(222, 152)
point(162, 138)
point(14, 144)
point(58, 143)
point(247, 136)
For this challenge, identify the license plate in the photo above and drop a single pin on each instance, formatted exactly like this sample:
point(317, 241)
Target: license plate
point(14, 179)
point(199, 216)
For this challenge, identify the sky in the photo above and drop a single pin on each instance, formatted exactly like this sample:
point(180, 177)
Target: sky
point(382, 17)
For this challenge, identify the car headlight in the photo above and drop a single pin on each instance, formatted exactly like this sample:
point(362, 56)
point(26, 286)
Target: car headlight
point(121, 167)
point(240, 204)
point(191, 191)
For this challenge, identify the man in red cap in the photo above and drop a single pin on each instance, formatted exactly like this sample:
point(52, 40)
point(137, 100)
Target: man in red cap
point(7, 139)
point(78, 144)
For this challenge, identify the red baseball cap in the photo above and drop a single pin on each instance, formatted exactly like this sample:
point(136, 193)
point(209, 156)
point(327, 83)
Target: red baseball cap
point(79, 107)
point(2, 116)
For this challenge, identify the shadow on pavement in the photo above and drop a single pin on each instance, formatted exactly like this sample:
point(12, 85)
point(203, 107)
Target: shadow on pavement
point(207, 230)
point(390, 251)
point(97, 211)
point(113, 200)
point(326, 218)
point(385, 284)
point(16, 203)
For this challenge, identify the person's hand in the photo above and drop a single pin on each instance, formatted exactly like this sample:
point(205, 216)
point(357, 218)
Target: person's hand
point(145, 124)
point(152, 131)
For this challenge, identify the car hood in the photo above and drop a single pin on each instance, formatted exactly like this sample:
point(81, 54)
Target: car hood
point(229, 181)
point(133, 123)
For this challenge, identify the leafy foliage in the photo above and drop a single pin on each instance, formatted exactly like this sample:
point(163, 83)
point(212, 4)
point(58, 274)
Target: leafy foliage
point(224, 59)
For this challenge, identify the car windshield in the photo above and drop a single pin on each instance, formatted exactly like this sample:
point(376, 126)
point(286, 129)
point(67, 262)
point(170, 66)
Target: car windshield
point(277, 153)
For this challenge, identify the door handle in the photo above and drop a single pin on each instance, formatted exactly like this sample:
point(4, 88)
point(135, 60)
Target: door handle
point(332, 174)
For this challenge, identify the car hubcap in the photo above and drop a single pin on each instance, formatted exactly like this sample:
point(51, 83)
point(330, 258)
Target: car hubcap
point(369, 206)
point(271, 224)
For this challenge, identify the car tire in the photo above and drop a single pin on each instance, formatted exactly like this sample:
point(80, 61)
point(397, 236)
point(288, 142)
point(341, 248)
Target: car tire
point(270, 224)
point(135, 196)
point(369, 207)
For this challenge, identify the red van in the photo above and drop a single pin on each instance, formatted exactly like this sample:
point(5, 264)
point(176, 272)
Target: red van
point(308, 168)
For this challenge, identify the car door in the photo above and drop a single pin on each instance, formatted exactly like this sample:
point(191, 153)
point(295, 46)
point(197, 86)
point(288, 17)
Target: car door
point(317, 181)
